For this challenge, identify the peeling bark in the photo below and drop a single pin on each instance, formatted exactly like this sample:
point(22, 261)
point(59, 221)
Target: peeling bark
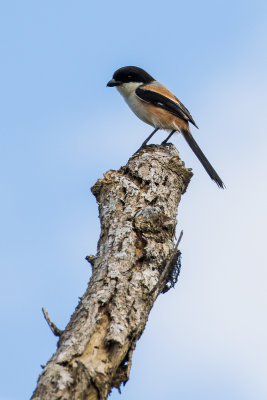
point(137, 209)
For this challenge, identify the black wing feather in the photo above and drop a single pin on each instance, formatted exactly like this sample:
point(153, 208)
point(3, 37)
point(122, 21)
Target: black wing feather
point(158, 100)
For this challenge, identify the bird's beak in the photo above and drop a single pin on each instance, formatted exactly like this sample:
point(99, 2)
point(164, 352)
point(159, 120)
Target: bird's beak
point(113, 83)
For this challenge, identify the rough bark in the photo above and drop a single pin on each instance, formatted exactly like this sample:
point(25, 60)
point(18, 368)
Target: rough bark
point(137, 209)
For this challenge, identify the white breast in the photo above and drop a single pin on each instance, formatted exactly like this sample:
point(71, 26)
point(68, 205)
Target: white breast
point(127, 90)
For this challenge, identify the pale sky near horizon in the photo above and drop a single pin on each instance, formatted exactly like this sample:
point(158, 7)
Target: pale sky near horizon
point(61, 129)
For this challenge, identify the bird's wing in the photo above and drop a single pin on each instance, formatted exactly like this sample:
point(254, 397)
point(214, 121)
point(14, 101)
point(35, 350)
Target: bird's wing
point(159, 96)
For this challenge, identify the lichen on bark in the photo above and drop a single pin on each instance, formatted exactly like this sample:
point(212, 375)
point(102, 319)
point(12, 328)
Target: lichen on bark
point(138, 215)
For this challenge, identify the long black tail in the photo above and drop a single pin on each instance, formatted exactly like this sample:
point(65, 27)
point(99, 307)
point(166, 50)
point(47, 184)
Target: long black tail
point(204, 161)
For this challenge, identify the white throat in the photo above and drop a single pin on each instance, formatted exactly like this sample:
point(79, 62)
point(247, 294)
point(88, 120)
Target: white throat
point(126, 89)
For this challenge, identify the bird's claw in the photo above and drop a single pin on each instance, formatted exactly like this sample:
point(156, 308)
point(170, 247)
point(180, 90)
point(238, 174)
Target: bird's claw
point(165, 144)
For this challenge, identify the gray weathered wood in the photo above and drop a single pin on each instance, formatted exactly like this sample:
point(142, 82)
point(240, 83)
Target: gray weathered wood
point(138, 210)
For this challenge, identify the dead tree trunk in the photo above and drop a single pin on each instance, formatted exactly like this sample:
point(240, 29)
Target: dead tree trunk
point(134, 264)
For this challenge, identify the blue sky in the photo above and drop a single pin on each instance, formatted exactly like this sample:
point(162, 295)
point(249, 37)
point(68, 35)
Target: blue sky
point(61, 129)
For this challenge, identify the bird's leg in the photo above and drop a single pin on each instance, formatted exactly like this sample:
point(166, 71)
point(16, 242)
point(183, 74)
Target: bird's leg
point(166, 140)
point(147, 139)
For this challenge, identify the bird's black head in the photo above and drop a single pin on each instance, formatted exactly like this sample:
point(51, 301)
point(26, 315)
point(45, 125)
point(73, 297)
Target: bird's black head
point(129, 74)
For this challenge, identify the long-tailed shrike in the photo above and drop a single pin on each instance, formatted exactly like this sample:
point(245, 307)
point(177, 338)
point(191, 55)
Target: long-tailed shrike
point(154, 104)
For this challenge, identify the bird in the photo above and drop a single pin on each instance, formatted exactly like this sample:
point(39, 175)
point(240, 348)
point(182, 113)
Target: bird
point(154, 104)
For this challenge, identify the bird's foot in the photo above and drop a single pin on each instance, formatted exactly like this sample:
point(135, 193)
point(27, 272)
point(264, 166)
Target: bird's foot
point(165, 144)
point(140, 148)
point(146, 145)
